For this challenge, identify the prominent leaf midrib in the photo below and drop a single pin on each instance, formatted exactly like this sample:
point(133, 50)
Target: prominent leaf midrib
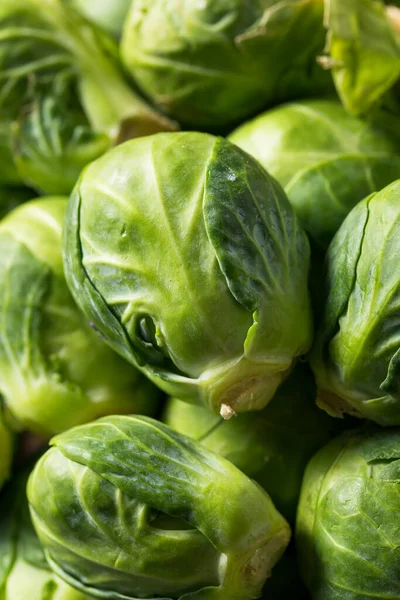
point(180, 260)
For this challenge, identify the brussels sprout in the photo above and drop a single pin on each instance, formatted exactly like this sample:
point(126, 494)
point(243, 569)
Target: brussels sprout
point(264, 445)
point(216, 62)
point(55, 372)
point(347, 531)
point(362, 51)
point(6, 453)
point(52, 141)
point(47, 49)
point(108, 14)
point(355, 355)
point(24, 572)
point(325, 159)
point(127, 508)
point(187, 256)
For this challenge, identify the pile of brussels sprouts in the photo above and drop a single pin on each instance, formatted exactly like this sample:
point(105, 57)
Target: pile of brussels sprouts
point(199, 299)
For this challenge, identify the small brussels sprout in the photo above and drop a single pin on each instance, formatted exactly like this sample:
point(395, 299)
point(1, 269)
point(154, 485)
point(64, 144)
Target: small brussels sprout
point(46, 50)
point(362, 51)
point(356, 350)
point(24, 572)
point(187, 256)
point(216, 62)
point(127, 508)
point(52, 142)
point(108, 14)
point(6, 452)
point(55, 371)
point(325, 159)
point(271, 446)
point(347, 531)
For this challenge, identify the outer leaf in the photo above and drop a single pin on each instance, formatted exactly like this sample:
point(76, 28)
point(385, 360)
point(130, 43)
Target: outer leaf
point(363, 52)
point(346, 529)
point(120, 477)
point(355, 355)
point(262, 252)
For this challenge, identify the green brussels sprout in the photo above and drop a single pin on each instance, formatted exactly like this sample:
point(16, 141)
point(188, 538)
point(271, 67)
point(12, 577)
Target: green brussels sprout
point(362, 51)
point(355, 354)
point(188, 258)
point(6, 453)
point(347, 531)
point(325, 159)
point(127, 508)
point(55, 372)
point(48, 50)
point(52, 141)
point(108, 14)
point(216, 62)
point(24, 572)
point(279, 439)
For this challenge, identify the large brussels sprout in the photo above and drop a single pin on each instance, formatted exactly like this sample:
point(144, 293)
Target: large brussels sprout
point(363, 52)
point(6, 452)
point(55, 371)
point(325, 159)
point(50, 56)
point(211, 63)
point(347, 532)
point(355, 355)
point(108, 14)
point(24, 572)
point(187, 256)
point(271, 446)
point(127, 508)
